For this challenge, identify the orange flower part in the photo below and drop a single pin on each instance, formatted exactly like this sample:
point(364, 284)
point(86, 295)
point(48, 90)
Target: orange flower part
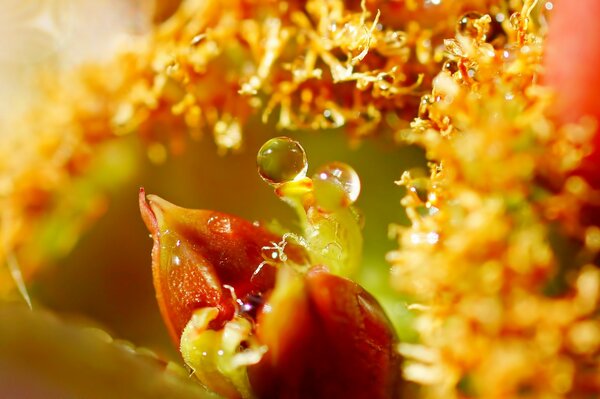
point(203, 259)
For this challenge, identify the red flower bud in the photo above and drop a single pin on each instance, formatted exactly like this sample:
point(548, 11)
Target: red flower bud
point(271, 329)
point(327, 338)
point(199, 257)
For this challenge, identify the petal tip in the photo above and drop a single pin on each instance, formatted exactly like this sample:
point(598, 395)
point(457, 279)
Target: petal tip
point(148, 215)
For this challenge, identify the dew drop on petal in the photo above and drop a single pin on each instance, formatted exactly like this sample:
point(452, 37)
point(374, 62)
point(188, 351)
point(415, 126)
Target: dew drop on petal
point(281, 160)
point(341, 175)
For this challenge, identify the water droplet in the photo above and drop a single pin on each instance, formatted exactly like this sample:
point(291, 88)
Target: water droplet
point(281, 160)
point(274, 254)
point(336, 184)
point(517, 21)
point(549, 5)
point(450, 66)
point(269, 254)
point(420, 188)
point(466, 25)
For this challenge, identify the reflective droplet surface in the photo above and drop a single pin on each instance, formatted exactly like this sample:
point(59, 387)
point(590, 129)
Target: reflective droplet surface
point(336, 175)
point(281, 160)
point(467, 26)
point(420, 187)
point(450, 66)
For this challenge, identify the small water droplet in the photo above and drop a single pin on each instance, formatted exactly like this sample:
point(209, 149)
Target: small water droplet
point(420, 188)
point(281, 160)
point(466, 25)
point(273, 254)
point(516, 21)
point(336, 184)
point(450, 66)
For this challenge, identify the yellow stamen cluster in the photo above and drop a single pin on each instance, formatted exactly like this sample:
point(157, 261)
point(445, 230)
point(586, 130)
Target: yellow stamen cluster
point(208, 67)
point(497, 254)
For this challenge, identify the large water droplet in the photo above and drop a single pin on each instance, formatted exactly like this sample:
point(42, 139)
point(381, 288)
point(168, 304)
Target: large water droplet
point(281, 160)
point(336, 183)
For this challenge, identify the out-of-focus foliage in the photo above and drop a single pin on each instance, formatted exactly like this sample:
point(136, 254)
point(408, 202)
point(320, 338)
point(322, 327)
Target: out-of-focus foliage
point(42, 356)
